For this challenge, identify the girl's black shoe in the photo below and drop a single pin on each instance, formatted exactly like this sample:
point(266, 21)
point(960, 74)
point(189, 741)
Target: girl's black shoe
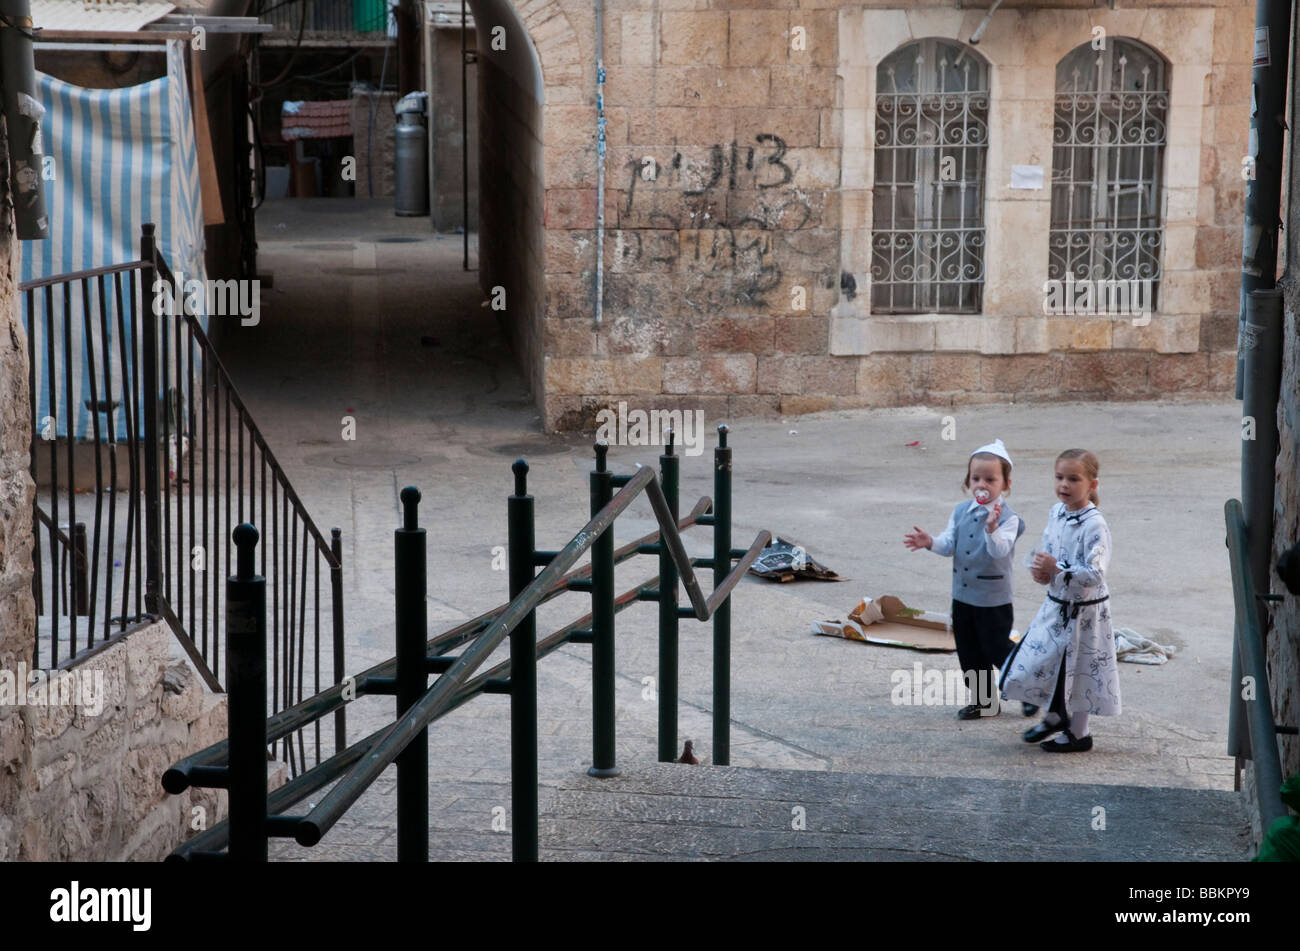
point(1074, 744)
point(1042, 731)
point(1028, 709)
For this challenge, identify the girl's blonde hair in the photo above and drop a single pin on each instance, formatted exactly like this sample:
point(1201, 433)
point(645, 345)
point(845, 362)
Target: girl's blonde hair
point(1006, 469)
point(1090, 468)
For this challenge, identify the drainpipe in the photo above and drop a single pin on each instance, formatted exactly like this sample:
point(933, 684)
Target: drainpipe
point(600, 159)
point(984, 24)
point(23, 113)
point(1259, 328)
point(1264, 189)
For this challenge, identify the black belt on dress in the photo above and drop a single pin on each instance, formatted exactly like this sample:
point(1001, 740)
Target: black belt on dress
point(1070, 609)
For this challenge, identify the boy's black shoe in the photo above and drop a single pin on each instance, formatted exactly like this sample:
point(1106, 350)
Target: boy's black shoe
point(1073, 744)
point(974, 711)
point(1028, 709)
point(1042, 731)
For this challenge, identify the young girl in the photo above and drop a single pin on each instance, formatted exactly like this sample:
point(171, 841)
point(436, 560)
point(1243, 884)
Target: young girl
point(1067, 657)
point(981, 538)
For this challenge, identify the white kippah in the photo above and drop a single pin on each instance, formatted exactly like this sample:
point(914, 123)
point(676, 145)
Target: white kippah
point(995, 448)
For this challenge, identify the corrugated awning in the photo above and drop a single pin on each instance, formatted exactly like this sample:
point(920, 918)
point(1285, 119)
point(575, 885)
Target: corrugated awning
point(327, 119)
point(96, 16)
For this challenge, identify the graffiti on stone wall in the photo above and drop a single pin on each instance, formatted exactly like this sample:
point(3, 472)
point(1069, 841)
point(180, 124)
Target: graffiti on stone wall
point(725, 215)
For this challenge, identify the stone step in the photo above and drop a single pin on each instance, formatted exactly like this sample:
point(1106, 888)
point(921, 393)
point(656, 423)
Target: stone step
point(667, 812)
point(681, 812)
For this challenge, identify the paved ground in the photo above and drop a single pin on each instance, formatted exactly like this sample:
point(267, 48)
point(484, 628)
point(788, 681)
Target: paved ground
point(341, 334)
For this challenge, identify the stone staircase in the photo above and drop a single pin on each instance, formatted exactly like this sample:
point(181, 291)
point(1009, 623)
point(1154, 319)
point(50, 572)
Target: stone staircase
point(667, 812)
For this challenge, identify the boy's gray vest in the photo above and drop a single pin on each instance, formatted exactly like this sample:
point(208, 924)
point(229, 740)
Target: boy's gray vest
point(977, 577)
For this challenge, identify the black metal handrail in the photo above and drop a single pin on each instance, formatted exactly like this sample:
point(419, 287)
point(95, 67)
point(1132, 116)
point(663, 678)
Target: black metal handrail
point(420, 704)
point(377, 679)
point(1248, 651)
point(178, 461)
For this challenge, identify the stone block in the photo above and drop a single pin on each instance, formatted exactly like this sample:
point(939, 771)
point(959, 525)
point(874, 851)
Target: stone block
point(800, 405)
point(578, 375)
point(1179, 373)
point(758, 37)
point(146, 658)
point(570, 208)
point(1079, 333)
point(803, 335)
point(752, 335)
point(756, 406)
point(802, 87)
point(820, 38)
point(698, 38)
point(1166, 333)
point(797, 128)
point(1114, 373)
point(1011, 376)
point(637, 45)
point(1218, 332)
point(732, 373)
point(885, 373)
point(780, 374)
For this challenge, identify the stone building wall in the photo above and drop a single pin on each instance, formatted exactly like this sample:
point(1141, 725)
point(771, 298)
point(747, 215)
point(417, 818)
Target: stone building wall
point(17, 609)
point(740, 169)
point(376, 146)
point(92, 790)
point(78, 782)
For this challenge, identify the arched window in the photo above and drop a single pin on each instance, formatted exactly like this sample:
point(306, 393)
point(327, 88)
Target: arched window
point(1107, 164)
point(932, 130)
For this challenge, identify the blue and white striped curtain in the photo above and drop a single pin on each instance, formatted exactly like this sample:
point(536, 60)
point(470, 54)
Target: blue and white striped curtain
point(122, 157)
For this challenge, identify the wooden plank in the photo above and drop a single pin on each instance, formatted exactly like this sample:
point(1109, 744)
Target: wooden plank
point(209, 183)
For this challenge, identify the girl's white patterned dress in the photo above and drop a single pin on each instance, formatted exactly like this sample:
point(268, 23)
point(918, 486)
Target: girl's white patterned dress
point(1067, 626)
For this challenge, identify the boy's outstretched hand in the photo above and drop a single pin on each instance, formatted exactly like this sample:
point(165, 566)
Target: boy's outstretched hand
point(995, 513)
point(916, 539)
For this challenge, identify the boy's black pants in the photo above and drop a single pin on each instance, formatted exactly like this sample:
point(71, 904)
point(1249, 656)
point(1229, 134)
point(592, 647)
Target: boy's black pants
point(982, 636)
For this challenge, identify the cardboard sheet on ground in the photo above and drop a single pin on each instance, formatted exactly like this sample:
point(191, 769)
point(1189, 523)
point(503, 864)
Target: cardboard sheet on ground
point(889, 622)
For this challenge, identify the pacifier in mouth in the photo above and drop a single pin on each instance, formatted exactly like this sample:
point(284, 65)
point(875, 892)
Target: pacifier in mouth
point(983, 496)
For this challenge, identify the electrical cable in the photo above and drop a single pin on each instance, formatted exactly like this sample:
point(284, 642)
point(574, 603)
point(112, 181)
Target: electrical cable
point(261, 159)
point(297, 48)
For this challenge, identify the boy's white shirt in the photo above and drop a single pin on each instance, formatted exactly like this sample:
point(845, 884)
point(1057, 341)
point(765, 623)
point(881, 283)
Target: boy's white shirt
point(999, 543)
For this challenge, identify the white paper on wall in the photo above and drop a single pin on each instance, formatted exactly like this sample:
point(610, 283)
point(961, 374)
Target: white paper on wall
point(1027, 176)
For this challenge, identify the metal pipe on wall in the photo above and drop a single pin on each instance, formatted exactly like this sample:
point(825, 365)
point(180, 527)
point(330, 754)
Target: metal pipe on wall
point(600, 159)
point(1264, 184)
point(23, 113)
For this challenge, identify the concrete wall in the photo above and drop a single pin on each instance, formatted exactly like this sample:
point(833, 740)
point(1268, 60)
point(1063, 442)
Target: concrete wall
point(511, 250)
point(763, 160)
point(445, 132)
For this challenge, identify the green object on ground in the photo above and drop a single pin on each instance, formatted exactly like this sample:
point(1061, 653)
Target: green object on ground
point(1282, 838)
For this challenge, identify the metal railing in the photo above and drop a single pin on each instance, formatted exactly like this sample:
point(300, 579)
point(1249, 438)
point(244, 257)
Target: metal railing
point(91, 577)
point(1253, 688)
point(177, 463)
point(234, 764)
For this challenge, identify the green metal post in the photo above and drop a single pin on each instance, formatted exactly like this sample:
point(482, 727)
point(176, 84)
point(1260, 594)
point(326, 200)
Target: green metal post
point(722, 614)
point(409, 556)
point(602, 625)
point(246, 701)
point(523, 674)
point(669, 468)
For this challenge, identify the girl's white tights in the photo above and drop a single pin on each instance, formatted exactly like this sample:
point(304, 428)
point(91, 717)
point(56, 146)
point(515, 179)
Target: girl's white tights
point(1078, 726)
